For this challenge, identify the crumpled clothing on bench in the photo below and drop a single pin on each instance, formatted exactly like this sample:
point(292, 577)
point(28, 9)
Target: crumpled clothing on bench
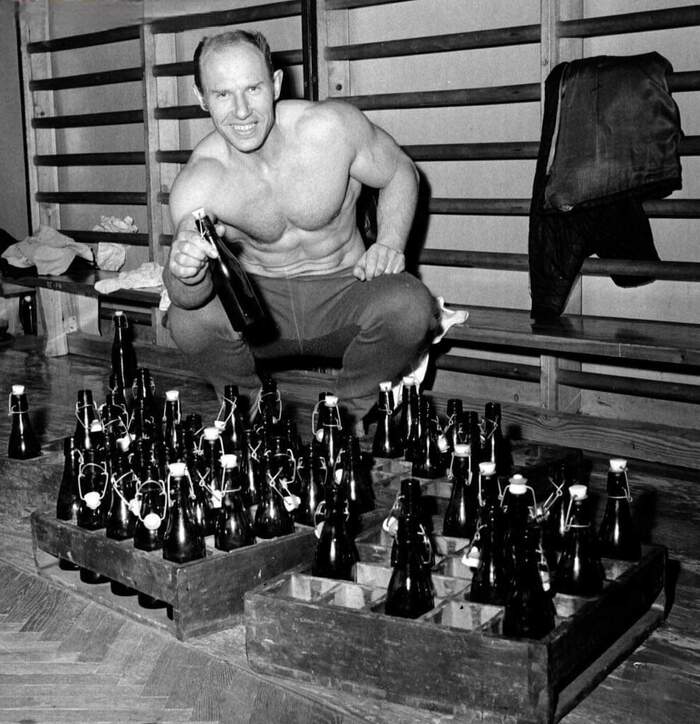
point(48, 250)
point(147, 276)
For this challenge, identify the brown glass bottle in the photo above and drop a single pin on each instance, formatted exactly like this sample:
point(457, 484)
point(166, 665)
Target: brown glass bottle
point(386, 443)
point(23, 443)
point(410, 591)
point(529, 610)
point(233, 528)
point(236, 293)
point(182, 540)
point(336, 553)
point(617, 535)
point(579, 569)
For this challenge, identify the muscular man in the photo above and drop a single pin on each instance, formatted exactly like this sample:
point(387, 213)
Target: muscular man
point(282, 181)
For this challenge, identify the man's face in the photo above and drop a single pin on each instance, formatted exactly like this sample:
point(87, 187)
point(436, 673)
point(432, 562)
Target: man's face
point(240, 95)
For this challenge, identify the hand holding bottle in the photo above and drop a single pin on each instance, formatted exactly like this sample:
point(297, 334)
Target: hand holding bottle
point(189, 252)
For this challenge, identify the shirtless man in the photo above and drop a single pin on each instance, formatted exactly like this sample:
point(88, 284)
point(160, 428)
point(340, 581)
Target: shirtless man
point(282, 181)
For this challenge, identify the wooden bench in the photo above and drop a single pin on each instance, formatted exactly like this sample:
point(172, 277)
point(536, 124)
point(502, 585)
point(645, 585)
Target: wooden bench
point(70, 303)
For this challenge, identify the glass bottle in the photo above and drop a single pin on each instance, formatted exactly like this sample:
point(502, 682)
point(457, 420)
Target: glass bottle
point(336, 553)
point(23, 443)
point(251, 466)
point(143, 388)
point(486, 557)
point(360, 476)
point(328, 430)
point(231, 416)
point(579, 570)
point(150, 507)
point(493, 444)
point(268, 411)
point(209, 474)
point(410, 592)
point(529, 609)
point(231, 283)
point(449, 434)
point(311, 472)
point(85, 413)
point(617, 535)
point(150, 502)
point(114, 417)
point(518, 510)
point(123, 354)
point(27, 314)
point(408, 420)
point(120, 519)
point(386, 443)
point(233, 526)
point(118, 395)
point(68, 500)
point(409, 488)
point(272, 518)
point(462, 509)
point(172, 417)
point(281, 468)
point(427, 461)
point(92, 488)
point(182, 540)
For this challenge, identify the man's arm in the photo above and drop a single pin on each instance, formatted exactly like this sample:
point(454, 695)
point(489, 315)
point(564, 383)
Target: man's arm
point(186, 275)
point(380, 163)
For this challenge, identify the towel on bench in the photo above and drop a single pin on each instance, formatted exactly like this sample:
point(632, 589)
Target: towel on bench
point(48, 250)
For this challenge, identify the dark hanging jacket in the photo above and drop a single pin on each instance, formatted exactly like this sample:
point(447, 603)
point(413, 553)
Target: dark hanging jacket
point(610, 135)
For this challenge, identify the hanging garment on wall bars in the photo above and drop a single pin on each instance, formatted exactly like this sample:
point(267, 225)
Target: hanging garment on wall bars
point(610, 135)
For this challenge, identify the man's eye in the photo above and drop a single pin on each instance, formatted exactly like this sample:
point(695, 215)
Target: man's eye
point(222, 94)
point(253, 89)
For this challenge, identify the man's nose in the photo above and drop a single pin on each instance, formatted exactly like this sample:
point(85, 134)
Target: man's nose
point(241, 107)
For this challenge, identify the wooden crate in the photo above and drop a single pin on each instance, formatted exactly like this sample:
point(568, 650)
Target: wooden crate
point(201, 596)
point(454, 658)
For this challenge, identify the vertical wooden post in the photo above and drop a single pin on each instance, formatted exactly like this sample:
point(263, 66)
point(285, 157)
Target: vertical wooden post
point(34, 26)
point(159, 134)
point(332, 29)
point(554, 50)
point(310, 48)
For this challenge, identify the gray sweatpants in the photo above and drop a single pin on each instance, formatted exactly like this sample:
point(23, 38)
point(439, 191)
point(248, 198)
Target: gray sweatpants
point(376, 329)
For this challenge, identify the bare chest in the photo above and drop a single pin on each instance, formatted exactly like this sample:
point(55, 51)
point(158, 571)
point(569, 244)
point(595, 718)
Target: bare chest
point(301, 194)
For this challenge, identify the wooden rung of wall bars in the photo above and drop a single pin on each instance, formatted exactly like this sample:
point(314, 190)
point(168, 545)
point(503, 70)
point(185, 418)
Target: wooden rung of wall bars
point(215, 18)
point(107, 77)
point(135, 198)
point(119, 158)
point(86, 40)
point(80, 120)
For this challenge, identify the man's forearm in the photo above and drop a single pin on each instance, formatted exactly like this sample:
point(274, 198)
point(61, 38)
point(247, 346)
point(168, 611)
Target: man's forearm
point(396, 207)
point(193, 293)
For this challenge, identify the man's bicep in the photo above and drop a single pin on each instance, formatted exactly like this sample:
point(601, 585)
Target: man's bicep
point(377, 157)
point(191, 190)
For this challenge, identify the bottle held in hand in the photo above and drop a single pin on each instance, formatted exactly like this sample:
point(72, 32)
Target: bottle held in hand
point(233, 287)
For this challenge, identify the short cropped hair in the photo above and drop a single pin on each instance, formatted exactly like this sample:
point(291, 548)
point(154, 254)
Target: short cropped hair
point(223, 40)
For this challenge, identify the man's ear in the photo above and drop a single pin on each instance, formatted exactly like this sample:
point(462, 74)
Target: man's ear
point(277, 82)
point(200, 98)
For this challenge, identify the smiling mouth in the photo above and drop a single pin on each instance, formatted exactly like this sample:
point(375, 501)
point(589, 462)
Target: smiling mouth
point(243, 128)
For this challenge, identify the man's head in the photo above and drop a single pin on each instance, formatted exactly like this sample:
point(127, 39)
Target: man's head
point(236, 83)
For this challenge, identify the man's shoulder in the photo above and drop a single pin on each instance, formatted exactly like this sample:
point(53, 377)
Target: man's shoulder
point(319, 118)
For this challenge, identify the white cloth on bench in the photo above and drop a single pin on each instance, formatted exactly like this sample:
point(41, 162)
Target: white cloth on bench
point(48, 250)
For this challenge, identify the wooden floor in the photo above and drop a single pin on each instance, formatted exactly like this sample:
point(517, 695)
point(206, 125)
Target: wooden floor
point(66, 659)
